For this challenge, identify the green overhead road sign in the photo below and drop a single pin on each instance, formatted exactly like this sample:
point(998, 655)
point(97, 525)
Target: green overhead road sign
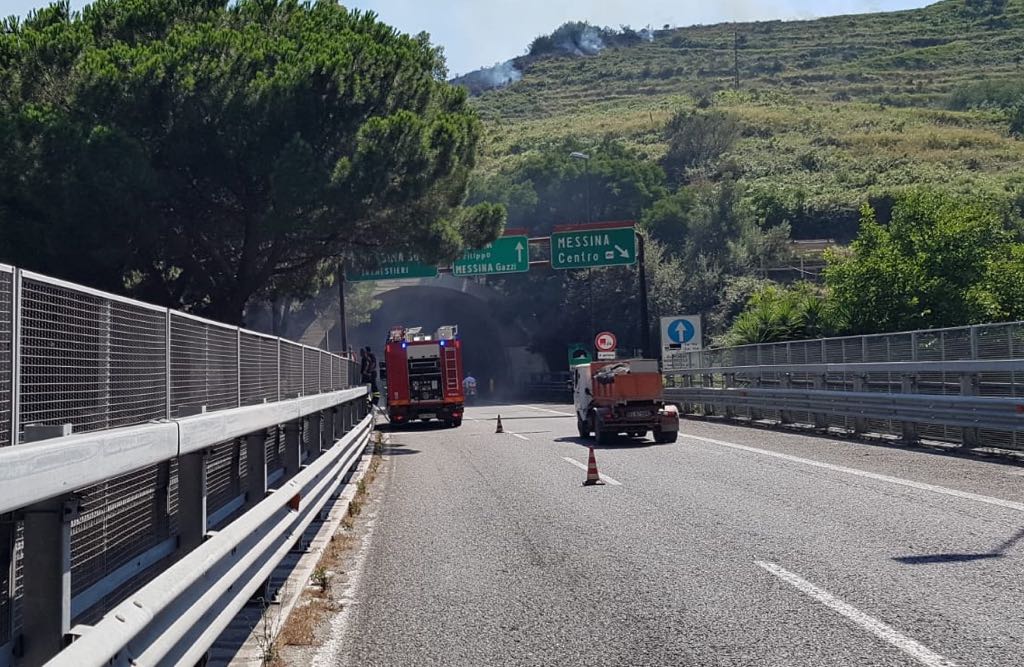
point(508, 254)
point(591, 247)
point(395, 266)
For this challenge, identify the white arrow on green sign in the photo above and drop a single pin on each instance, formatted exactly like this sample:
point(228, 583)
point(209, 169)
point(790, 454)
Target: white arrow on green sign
point(508, 254)
point(395, 266)
point(592, 247)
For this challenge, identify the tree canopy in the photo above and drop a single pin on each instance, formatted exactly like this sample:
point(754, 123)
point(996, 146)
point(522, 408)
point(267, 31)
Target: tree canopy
point(200, 153)
point(940, 262)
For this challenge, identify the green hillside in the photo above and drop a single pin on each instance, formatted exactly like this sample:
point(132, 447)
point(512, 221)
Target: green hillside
point(833, 111)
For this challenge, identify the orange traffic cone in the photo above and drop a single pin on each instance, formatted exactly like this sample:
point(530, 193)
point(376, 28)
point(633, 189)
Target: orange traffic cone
point(499, 429)
point(593, 478)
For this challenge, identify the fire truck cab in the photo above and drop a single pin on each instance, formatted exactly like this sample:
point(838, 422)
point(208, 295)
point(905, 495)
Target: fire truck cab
point(423, 375)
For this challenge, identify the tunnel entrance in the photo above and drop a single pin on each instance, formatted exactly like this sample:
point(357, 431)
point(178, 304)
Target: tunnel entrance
point(484, 342)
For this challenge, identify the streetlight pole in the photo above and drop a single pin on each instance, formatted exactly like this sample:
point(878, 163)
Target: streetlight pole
point(576, 155)
point(342, 320)
point(645, 319)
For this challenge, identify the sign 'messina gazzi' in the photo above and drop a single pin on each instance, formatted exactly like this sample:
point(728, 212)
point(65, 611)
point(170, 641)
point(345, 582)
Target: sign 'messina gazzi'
point(588, 246)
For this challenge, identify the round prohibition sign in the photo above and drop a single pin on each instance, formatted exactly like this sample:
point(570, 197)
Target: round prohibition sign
point(605, 341)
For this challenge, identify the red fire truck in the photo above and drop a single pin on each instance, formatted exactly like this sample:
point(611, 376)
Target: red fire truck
point(423, 375)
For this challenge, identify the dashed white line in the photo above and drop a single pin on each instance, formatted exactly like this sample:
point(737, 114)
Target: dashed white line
point(516, 435)
point(914, 649)
point(603, 476)
point(965, 495)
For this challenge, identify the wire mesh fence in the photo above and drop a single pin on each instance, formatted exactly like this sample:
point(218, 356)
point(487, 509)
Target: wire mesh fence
point(73, 355)
point(310, 371)
point(750, 365)
point(89, 360)
point(258, 373)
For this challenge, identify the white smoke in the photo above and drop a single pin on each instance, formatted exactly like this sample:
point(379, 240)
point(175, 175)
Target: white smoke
point(647, 34)
point(501, 74)
point(586, 42)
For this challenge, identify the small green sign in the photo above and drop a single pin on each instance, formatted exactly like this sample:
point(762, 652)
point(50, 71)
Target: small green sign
point(585, 248)
point(508, 254)
point(578, 354)
point(395, 266)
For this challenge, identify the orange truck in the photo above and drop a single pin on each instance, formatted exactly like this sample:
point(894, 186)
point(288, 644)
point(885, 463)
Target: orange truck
point(622, 397)
point(423, 375)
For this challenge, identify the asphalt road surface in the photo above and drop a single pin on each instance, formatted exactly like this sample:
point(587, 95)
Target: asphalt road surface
point(733, 546)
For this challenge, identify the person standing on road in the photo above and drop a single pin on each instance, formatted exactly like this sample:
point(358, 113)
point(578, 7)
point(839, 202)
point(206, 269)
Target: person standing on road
point(372, 369)
point(364, 366)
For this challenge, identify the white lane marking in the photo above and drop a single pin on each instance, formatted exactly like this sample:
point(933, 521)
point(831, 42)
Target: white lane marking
point(554, 412)
point(966, 495)
point(603, 476)
point(516, 435)
point(914, 649)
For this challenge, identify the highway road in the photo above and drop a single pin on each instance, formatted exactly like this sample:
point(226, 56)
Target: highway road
point(733, 546)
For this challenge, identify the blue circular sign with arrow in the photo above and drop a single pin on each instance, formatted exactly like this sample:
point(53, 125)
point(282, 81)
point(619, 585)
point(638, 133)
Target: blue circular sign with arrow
point(681, 331)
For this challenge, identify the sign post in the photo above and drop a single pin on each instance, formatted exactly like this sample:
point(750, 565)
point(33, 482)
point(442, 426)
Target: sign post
point(507, 254)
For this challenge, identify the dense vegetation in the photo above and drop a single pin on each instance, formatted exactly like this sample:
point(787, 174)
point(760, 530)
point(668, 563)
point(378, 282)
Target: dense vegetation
point(204, 153)
point(802, 124)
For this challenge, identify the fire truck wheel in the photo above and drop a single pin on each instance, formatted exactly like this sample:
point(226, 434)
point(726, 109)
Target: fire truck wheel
point(455, 423)
point(582, 427)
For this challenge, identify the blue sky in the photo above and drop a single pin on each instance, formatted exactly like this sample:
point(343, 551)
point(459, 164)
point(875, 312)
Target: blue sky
point(483, 32)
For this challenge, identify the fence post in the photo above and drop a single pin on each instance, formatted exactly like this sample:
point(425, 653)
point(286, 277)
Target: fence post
point(8, 530)
point(754, 411)
point(15, 356)
point(730, 383)
point(860, 384)
point(46, 578)
point(256, 468)
point(103, 397)
point(908, 385)
point(238, 367)
point(785, 416)
point(969, 387)
point(315, 433)
point(192, 496)
point(167, 363)
point(821, 384)
point(292, 448)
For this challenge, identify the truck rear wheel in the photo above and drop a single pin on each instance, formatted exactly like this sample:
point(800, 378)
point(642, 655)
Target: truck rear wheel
point(601, 436)
point(665, 437)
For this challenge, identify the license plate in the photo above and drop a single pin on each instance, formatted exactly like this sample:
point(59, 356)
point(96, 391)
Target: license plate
point(638, 413)
point(427, 415)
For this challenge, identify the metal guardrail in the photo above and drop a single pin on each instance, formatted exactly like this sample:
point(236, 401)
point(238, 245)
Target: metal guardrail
point(962, 385)
point(174, 619)
point(177, 424)
point(548, 386)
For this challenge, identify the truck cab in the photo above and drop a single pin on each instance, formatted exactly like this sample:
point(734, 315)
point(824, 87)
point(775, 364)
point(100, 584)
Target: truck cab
point(622, 397)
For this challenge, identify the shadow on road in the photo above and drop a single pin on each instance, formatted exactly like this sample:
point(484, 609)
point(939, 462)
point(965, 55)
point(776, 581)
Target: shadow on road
point(414, 427)
point(616, 443)
point(398, 451)
point(929, 559)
